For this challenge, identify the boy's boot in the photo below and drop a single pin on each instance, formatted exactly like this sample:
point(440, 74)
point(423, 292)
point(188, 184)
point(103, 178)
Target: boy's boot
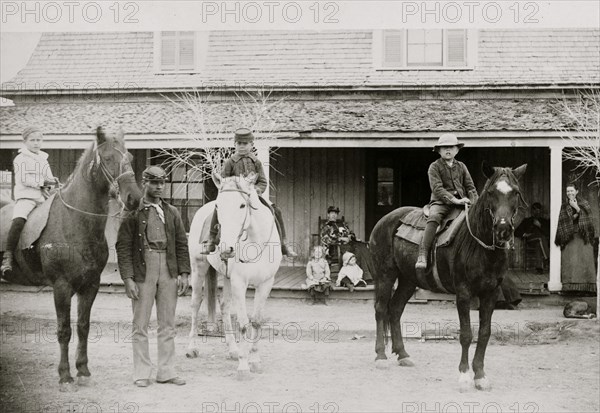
point(285, 248)
point(426, 242)
point(14, 234)
point(210, 245)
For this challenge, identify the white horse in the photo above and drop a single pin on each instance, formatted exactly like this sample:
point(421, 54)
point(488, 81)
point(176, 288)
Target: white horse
point(249, 253)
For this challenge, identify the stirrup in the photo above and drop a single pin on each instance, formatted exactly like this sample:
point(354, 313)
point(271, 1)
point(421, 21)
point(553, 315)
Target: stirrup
point(288, 251)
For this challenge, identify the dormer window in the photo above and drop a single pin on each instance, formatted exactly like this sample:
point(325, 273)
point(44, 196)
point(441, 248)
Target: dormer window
point(177, 52)
point(425, 49)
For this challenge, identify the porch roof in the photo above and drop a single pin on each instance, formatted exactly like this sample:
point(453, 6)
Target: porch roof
point(164, 117)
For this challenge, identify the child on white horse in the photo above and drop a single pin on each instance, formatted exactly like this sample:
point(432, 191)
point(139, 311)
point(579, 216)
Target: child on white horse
point(33, 180)
point(242, 163)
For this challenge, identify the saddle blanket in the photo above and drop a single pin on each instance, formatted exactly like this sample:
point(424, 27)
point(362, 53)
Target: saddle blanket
point(413, 224)
point(36, 222)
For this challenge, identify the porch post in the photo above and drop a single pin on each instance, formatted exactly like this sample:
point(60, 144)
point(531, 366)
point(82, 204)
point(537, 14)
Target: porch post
point(555, 201)
point(263, 157)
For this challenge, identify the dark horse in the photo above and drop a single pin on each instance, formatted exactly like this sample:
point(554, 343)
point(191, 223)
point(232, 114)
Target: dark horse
point(72, 251)
point(472, 265)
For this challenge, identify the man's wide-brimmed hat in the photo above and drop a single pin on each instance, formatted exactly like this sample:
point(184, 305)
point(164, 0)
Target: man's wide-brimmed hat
point(448, 139)
point(154, 173)
point(243, 135)
point(333, 209)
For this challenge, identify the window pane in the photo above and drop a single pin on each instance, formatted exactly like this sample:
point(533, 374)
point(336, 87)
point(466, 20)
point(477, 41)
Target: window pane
point(416, 54)
point(385, 174)
point(433, 36)
point(178, 173)
point(179, 191)
point(385, 193)
point(416, 36)
point(195, 191)
point(433, 54)
point(167, 191)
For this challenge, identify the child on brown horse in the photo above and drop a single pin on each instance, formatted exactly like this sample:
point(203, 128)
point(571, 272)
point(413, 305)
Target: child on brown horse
point(33, 180)
point(242, 163)
point(451, 187)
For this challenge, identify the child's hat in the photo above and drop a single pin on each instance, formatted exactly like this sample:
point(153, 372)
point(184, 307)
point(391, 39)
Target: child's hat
point(448, 139)
point(346, 257)
point(28, 131)
point(154, 173)
point(243, 135)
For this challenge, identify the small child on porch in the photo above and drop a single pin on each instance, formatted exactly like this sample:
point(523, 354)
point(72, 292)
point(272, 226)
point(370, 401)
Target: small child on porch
point(351, 274)
point(33, 180)
point(318, 281)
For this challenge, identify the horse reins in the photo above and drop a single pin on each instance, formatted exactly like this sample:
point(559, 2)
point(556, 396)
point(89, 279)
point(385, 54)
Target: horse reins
point(244, 227)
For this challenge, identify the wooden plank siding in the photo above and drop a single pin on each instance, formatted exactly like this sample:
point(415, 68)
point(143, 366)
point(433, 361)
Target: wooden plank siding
point(306, 181)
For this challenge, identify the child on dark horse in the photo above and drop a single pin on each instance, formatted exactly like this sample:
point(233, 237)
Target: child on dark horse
point(33, 179)
point(242, 163)
point(451, 187)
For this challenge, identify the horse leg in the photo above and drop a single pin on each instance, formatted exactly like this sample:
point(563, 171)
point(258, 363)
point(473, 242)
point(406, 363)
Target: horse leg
point(226, 302)
point(63, 292)
point(238, 292)
point(401, 296)
point(487, 302)
point(85, 300)
point(197, 285)
point(463, 304)
point(383, 295)
point(260, 299)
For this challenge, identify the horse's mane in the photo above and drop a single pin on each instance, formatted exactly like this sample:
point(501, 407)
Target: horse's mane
point(83, 162)
point(480, 219)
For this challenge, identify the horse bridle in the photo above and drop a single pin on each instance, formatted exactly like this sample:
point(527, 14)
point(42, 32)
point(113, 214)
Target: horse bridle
point(511, 243)
point(113, 181)
point(245, 223)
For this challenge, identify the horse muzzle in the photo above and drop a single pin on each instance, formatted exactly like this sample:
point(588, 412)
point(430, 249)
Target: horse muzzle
point(503, 231)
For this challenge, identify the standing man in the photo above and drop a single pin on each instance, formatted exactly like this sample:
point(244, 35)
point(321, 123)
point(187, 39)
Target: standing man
point(152, 252)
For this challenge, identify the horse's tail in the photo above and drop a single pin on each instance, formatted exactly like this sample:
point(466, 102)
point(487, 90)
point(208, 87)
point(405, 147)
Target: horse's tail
point(211, 292)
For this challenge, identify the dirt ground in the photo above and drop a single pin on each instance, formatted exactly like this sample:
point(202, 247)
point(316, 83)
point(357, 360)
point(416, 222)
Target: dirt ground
point(537, 362)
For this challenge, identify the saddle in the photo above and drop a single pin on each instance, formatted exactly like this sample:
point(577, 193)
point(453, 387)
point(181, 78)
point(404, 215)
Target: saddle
point(412, 226)
point(36, 222)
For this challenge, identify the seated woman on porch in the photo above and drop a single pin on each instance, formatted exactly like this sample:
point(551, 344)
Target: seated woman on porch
point(335, 233)
point(536, 230)
point(318, 281)
point(351, 275)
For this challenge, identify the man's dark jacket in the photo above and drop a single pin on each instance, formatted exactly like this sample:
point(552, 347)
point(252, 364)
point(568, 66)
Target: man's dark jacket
point(130, 243)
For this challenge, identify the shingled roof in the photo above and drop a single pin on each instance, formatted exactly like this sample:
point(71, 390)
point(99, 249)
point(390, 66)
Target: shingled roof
point(321, 59)
point(296, 116)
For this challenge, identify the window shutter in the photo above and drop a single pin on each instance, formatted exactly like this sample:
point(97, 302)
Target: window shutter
point(393, 49)
point(456, 47)
point(167, 51)
point(186, 54)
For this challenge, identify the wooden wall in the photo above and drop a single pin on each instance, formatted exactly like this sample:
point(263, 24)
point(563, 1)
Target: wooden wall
point(305, 181)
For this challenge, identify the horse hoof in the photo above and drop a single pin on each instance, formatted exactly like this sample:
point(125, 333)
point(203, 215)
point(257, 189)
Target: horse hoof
point(69, 387)
point(465, 382)
point(256, 368)
point(233, 355)
point(243, 375)
point(483, 384)
point(84, 381)
point(192, 354)
point(382, 364)
point(406, 362)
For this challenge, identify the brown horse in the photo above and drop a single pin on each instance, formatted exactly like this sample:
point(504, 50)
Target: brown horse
point(72, 251)
point(472, 265)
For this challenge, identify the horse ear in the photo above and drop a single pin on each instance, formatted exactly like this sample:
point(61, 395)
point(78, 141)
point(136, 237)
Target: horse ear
point(520, 171)
point(487, 170)
point(216, 179)
point(100, 135)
